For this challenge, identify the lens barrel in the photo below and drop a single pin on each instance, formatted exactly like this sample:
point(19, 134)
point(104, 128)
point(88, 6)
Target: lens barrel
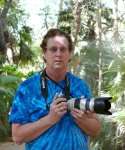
point(100, 105)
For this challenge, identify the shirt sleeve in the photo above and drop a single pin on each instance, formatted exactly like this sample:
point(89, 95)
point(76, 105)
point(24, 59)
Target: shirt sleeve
point(19, 112)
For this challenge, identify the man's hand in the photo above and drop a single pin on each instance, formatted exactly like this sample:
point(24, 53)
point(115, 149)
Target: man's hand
point(87, 121)
point(57, 109)
point(81, 115)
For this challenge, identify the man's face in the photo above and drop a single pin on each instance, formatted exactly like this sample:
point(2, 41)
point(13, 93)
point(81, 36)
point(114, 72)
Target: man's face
point(57, 53)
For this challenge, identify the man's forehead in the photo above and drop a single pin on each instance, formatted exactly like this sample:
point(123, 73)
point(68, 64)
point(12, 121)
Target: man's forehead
point(60, 40)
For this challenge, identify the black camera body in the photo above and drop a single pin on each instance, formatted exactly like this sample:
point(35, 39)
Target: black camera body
point(100, 105)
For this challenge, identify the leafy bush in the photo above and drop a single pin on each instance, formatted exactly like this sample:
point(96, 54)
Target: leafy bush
point(9, 79)
point(111, 137)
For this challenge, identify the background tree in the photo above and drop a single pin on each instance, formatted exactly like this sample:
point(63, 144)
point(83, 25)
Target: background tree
point(4, 34)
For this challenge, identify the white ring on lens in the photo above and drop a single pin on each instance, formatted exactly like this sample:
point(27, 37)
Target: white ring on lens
point(82, 104)
point(91, 104)
point(71, 103)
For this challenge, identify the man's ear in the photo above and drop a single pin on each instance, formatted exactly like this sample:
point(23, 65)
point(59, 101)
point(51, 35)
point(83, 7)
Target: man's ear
point(70, 58)
point(44, 59)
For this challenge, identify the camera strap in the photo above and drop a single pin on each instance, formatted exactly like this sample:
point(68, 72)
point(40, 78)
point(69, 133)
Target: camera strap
point(44, 88)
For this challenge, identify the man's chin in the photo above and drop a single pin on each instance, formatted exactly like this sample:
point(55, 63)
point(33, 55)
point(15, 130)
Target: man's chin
point(58, 66)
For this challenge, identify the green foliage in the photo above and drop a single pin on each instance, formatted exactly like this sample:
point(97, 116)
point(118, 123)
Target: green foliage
point(25, 53)
point(25, 42)
point(116, 80)
point(120, 116)
point(89, 61)
point(66, 16)
point(104, 141)
point(17, 35)
point(107, 15)
point(9, 80)
point(2, 59)
point(1, 3)
point(65, 20)
point(15, 16)
point(11, 70)
point(25, 34)
point(108, 139)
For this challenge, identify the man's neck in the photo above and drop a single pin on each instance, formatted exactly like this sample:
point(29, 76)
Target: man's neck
point(56, 75)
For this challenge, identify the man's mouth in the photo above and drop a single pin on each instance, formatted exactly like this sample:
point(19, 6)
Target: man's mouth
point(58, 61)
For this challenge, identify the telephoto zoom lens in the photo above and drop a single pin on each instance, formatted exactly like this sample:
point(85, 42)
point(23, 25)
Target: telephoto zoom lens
point(100, 105)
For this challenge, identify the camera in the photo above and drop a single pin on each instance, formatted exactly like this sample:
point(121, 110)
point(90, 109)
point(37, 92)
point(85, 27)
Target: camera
point(100, 105)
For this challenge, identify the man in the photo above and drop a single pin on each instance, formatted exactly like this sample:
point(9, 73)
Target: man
point(39, 113)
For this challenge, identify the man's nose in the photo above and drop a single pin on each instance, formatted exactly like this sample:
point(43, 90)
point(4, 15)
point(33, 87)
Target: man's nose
point(58, 52)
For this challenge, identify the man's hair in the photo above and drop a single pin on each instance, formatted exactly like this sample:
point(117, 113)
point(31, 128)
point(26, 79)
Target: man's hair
point(56, 32)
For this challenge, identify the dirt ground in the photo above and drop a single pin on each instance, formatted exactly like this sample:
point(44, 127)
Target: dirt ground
point(11, 146)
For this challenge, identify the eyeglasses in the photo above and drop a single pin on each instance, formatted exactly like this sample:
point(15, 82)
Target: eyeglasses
point(55, 49)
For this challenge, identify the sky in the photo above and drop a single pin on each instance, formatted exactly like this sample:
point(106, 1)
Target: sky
point(32, 7)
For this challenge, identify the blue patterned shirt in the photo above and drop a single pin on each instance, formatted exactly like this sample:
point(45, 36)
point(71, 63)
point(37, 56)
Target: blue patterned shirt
point(29, 106)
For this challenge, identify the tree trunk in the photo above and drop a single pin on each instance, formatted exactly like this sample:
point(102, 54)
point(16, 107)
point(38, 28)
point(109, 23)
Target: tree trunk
point(75, 31)
point(60, 9)
point(116, 37)
point(2, 39)
point(99, 40)
point(77, 19)
point(3, 26)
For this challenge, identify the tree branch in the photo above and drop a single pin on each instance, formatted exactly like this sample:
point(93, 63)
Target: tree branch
point(6, 8)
